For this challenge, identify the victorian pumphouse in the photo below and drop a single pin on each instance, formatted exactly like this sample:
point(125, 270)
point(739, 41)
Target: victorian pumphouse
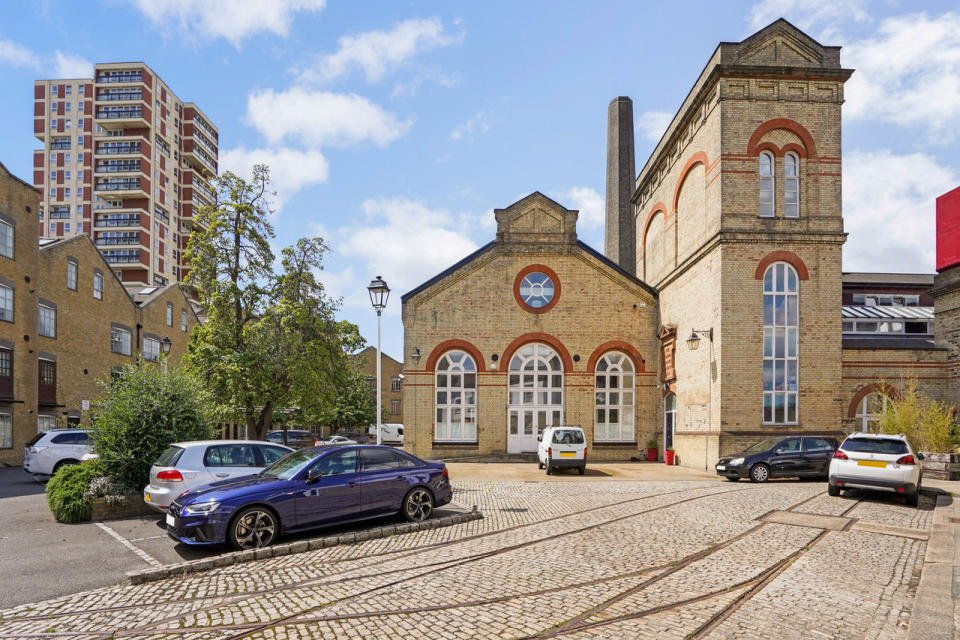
point(730, 234)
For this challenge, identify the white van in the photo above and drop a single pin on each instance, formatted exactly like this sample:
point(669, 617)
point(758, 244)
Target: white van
point(562, 447)
point(391, 432)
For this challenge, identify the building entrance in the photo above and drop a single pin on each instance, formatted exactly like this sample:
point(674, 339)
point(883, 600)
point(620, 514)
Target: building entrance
point(535, 396)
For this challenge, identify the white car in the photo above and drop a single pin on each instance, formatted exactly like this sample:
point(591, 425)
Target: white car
point(562, 447)
point(332, 440)
point(876, 461)
point(49, 450)
point(187, 465)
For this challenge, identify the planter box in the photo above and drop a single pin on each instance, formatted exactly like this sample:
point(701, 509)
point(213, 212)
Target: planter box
point(135, 507)
point(941, 466)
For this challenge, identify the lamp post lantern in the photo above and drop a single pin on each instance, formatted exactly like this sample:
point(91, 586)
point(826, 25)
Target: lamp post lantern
point(379, 292)
point(165, 345)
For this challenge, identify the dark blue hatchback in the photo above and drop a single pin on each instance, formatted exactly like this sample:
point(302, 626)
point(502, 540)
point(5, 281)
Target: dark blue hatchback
point(307, 489)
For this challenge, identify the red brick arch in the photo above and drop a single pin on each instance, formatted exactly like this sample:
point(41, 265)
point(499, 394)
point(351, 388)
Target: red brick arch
point(753, 148)
point(536, 336)
point(616, 345)
point(782, 256)
point(657, 208)
point(873, 387)
point(450, 345)
point(698, 158)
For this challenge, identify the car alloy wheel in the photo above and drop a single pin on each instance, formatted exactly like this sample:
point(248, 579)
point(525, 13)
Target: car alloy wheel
point(759, 473)
point(418, 505)
point(253, 528)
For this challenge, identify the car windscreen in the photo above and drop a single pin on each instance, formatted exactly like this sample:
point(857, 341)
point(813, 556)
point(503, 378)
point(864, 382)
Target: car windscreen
point(275, 436)
point(288, 467)
point(888, 446)
point(567, 436)
point(32, 441)
point(169, 457)
point(764, 445)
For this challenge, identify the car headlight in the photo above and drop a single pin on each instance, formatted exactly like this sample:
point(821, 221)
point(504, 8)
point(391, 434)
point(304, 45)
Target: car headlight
point(201, 507)
point(736, 461)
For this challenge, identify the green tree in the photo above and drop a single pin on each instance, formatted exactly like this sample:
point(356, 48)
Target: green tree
point(929, 424)
point(355, 405)
point(140, 412)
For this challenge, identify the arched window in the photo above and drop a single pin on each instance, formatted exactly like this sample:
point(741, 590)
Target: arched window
point(791, 185)
point(781, 323)
point(669, 420)
point(614, 398)
point(765, 170)
point(535, 388)
point(456, 396)
point(871, 410)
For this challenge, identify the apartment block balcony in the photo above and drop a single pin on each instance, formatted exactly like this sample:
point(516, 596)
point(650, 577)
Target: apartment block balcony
point(122, 187)
point(119, 94)
point(112, 147)
point(118, 238)
point(200, 159)
point(121, 116)
point(117, 166)
point(132, 76)
point(124, 257)
point(128, 218)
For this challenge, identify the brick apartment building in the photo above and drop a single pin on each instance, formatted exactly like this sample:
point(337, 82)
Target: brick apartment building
point(67, 321)
point(126, 162)
point(391, 382)
point(731, 234)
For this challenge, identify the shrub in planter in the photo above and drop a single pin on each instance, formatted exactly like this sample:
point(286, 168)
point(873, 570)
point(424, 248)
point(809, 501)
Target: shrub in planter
point(929, 425)
point(141, 412)
point(652, 450)
point(67, 491)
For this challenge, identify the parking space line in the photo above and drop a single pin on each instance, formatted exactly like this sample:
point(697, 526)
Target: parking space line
point(146, 557)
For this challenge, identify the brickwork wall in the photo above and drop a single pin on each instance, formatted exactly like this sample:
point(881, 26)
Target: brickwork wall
point(389, 369)
point(946, 296)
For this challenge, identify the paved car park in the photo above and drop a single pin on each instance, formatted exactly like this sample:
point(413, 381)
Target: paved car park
point(596, 558)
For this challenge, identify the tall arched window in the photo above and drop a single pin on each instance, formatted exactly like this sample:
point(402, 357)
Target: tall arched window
point(765, 170)
point(781, 323)
point(871, 410)
point(614, 398)
point(456, 398)
point(791, 185)
point(669, 420)
point(535, 389)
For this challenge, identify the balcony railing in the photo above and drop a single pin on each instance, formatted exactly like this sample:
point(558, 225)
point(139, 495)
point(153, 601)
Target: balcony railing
point(119, 185)
point(160, 214)
point(197, 119)
point(59, 213)
point(60, 144)
point(108, 113)
point(130, 238)
point(108, 77)
point(121, 256)
point(127, 95)
point(118, 167)
point(118, 148)
point(124, 220)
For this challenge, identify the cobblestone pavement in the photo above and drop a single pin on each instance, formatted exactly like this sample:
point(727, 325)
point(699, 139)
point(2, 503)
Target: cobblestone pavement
point(552, 560)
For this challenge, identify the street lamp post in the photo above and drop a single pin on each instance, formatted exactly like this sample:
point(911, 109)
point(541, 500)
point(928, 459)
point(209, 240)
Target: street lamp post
point(692, 343)
point(379, 292)
point(165, 345)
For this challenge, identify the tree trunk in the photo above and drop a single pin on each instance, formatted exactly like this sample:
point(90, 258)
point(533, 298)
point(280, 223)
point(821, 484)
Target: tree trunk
point(265, 422)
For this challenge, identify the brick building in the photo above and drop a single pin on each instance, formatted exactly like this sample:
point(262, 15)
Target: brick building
point(67, 321)
point(391, 380)
point(126, 162)
point(718, 315)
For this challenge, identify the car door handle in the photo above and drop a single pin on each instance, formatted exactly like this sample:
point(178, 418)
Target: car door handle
point(222, 475)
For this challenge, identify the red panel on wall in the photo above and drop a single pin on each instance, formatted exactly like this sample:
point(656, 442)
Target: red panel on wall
point(59, 159)
point(948, 230)
point(38, 158)
point(38, 178)
point(38, 125)
point(59, 228)
point(88, 90)
point(87, 108)
point(38, 109)
point(38, 91)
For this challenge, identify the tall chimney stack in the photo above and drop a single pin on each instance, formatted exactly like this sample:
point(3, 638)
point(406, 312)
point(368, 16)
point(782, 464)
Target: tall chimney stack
point(620, 242)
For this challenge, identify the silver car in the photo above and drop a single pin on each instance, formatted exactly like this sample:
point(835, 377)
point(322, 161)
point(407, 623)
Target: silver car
point(186, 465)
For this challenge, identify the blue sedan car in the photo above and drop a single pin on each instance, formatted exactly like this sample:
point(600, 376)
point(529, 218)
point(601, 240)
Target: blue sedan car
point(307, 489)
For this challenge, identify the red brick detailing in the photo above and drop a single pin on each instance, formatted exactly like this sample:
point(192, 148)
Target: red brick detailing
point(536, 336)
point(616, 345)
point(782, 256)
point(797, 149)
point(661, 207)
point(698, 157)
point(768, 146)
point(874, 387)
point(782, 123)
point(524, 273)
point(450, 345)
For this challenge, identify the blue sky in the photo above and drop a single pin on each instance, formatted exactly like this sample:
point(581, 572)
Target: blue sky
point(394, 128)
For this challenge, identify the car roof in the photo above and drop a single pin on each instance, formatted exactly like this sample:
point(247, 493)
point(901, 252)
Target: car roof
point(878, 436)
point(202, 443)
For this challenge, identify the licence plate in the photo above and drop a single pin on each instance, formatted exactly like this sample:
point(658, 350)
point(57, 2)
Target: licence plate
point(721, 467)
point(567, 454)
point(872, 463)
point(171, 521)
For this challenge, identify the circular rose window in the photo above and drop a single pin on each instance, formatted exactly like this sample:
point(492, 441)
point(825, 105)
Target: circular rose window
point(536, 288)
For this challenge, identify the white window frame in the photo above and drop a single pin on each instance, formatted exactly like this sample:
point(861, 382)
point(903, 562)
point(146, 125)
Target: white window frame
point(72, 269)
point(865, 417)
point(614, 395)
point(669, 420)
point(46, 422)
point(6, 239)
point(120, 341)
point(151, 349)
point(791, 185)
point(97, 286)
point(395, 384)
point(455, 398)
point(535, 386)
point(6, 431)
point(766, 170)
point(169, 315)
point(6, 303)
point(46, 321)
point(183, 320)
point(780, 380)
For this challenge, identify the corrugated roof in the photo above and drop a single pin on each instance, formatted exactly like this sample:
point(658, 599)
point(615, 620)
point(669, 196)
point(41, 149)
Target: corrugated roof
point(856, 277)
point(892, 311)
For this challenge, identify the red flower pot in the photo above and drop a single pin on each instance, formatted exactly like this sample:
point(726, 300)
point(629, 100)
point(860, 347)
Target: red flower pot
point(651, 455)
point(668, 457)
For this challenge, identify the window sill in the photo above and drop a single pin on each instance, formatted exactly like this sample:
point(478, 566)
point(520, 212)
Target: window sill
point(608, 443)
point(455, 445)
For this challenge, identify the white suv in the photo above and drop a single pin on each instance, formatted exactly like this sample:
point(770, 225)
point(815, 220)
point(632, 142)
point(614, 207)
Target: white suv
point(562, 447)
point(49, 450)
point(876, 461)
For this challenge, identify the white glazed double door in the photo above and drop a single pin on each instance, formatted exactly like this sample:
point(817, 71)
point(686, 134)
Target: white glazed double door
point(526, 423)
point(535, 396)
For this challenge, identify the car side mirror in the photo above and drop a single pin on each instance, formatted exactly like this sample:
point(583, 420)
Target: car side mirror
point(313, 475)
point(920, 456)
point(539, 437)
point(778, 452)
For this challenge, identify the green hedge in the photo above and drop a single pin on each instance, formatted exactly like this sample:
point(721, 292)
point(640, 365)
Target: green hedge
point(66, 489)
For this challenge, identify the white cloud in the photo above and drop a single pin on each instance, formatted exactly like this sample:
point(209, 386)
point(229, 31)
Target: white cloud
point(378, 52)
point(807, 14)
point(652, 124)
point(57, 65)
point(233, 20)
point(588, 201)
point(72, 66)
point(479, 123)
point(405, 241)
point(291, 170)
point(319, 117)
point(889, 210)
point(908, 75)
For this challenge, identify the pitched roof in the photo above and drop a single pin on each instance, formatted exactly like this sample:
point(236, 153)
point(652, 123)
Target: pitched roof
point(443, 274)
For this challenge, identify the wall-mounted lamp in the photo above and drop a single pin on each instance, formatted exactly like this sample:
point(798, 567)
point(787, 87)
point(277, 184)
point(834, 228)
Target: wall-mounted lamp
point(415, 356)
point(694, 340)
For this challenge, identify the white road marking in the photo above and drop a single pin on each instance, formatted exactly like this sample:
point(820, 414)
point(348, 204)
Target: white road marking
point(146, 557)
